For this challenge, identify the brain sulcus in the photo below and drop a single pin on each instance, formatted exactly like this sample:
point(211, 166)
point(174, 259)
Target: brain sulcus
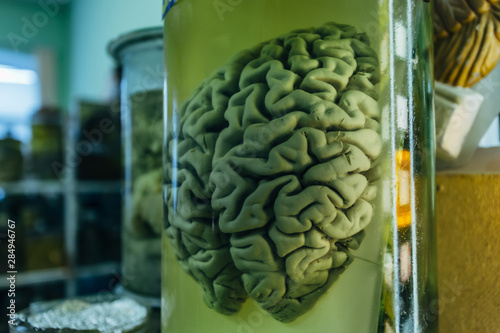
point(270, 170)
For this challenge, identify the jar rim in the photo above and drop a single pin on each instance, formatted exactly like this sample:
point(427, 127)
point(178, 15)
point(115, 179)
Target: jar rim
point(123, 41)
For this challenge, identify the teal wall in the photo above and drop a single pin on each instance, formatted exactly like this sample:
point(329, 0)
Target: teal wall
point(93, 24)
point(52, 32)
point(78, 34)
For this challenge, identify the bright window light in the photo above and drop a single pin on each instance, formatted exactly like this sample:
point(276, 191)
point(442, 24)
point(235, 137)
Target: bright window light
point(20, 93)
point(14, 75)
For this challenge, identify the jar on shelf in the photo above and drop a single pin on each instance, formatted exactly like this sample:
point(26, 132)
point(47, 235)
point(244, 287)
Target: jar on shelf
point(140, 55)
point(46, 143)
point(11, 159)
point(298, 167)
point(99, 124)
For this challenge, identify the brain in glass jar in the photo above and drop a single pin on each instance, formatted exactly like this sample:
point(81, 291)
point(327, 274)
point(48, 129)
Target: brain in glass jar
point(271, 170)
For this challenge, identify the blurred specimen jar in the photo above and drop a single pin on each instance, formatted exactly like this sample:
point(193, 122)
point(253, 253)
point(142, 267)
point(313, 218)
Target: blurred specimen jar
point(11, 159)
point(298, 167)
point(140, 55)
point(46, 143)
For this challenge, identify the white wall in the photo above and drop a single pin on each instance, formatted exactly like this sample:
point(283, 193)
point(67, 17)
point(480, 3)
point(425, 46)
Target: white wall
point(93, 24)
point(492, 136)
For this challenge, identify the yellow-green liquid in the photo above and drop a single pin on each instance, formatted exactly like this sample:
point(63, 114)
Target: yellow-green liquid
point(200, 36)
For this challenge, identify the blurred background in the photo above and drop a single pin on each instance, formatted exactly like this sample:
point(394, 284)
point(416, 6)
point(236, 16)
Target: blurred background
point(60, 143)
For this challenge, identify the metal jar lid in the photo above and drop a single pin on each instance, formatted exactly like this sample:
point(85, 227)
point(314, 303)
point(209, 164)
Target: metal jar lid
point(118, 44)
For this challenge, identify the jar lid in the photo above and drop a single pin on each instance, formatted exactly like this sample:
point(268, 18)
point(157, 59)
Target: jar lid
point(118, 44)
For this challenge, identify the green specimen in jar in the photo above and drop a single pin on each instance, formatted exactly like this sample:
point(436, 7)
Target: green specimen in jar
point(143, 222)
point(146, 164)
point(269, 170)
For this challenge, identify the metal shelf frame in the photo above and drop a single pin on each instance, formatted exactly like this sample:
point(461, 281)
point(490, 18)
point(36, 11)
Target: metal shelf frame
point(69, 187)
point(29, 278)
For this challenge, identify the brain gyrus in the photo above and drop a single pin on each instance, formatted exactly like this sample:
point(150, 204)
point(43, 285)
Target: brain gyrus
point(270, 170)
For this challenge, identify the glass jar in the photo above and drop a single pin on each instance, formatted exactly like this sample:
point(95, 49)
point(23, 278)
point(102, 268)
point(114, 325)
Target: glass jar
point(46, 143)
point(140, 54)
point(298, 171)
point(11, 159)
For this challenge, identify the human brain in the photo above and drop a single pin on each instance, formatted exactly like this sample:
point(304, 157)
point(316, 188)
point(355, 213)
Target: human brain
point(270, 170)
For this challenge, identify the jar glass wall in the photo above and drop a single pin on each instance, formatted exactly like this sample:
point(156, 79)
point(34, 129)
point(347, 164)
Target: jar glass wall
point(298, 166)
point(140, 55)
